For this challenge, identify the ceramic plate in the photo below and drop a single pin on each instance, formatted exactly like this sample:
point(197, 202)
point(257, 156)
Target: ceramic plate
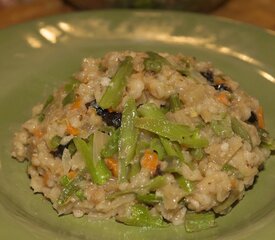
point(38, 56)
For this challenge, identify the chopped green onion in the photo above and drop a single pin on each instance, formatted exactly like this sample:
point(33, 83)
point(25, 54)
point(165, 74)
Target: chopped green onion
point(114, 91)
point(240, 130)
point(195, 222)
point(222, 128)
point(70, 188)
point(64, 180)
point(174, 102)
point(152, 65)
point(55, 142)
point(80, 194)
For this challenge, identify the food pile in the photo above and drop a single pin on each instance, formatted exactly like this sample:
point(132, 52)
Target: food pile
point(149, 139)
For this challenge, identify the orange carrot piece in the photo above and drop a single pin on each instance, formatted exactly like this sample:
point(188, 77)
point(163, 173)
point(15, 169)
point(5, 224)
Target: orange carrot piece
point(112, 165)
point(71, 174)
point(76, 104)
point(150, 161)
point(260, 117)
point(223, 98)
point(219, 81)
point(37, 132)
point(45, 178)
point(72, 130)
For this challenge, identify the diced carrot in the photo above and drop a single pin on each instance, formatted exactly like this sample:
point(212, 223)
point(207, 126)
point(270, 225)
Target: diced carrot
point(112, 165)
point(72, 130)
point(223, 98)
point(45, 178)
point(233, 183)
point(150, 161)
point(71, 174)
point(76, 104)
point(260, 117)
point(37, 132)
point(219, 81)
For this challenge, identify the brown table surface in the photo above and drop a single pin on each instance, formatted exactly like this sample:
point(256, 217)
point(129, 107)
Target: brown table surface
point(257, 12)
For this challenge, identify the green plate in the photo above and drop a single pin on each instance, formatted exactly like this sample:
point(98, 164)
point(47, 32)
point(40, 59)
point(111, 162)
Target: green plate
point(38, 56)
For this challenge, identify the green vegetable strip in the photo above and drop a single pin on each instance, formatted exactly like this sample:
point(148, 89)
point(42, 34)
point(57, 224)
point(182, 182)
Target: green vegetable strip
point(240, 130)
point(174, 102)
point(69, 98)
point(111, 148)
point(71, 85)
point(155, 56)
point(72, 148)
point(172, 149)
point(195, 141)
point(99, 172)
point(197, 154)
point(64, 180)
point(152, 65)
point(149, 199)
point(195, 222)
point(114, 91)
point(70, 90)
point(150, 110)
point(134, 169)
point(70, 188)
point(232, 170)
point(80, 195)
point(222, 128)
point(155, 183)
point(164, 128)
point(185, 184)
point(156, 146)
point(266, 140)
point(141, 216)
point(128, 138)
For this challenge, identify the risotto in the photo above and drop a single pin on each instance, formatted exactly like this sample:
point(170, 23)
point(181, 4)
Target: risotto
point(149, 139)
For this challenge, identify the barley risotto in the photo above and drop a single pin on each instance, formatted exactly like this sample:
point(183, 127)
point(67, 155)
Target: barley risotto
point(147, 138)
